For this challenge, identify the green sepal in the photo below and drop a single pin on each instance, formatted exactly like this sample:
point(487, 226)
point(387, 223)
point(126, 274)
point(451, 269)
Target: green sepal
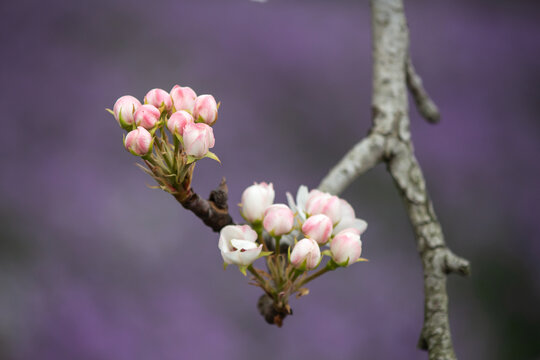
point(289, 254)
point(332, 265)
point(212, 156)
point(225, 266)
point(326, 252)
point(191, 159)
point(179, 137)
point(303, 265)
point(124, 125)
point(256, 225)
point(243, 269)
point(110, 111)
point(162, 107)
point(361, 260)
point(264, 253)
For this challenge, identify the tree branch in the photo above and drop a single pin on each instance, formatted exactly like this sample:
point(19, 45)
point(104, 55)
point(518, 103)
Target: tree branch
point(426, 107)
point(214, 212)
point(362, 157)
point(390, 141)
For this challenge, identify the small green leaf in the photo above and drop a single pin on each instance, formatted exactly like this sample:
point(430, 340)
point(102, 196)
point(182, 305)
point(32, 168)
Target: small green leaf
point(225, 266)
point(327, 252)
point(212, 156)
point(289, 254)
point(190, 159)
point(361, 260)
point(110, 111)
point(264, 253)
point(332, 265)
point(243, 269)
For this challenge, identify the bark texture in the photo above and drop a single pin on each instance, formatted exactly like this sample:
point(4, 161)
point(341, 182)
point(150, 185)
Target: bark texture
point(214, 212)
point(389, 141)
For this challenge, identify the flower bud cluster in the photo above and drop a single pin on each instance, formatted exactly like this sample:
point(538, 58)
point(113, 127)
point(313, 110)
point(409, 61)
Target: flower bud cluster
point(328, 219)
point(170, 131)
point(315, 220)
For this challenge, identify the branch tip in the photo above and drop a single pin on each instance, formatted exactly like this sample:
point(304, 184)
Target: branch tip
point(426, 106)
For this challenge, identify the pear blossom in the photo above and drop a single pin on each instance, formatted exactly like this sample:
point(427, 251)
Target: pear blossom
point(123, 110)
point(306, 250)
point(159, 98)
point(147, 116)
point(138, 141)
point(343, 215)
point(318, 227)
point(238, 245)
point(349, 220)
point(278, 220)
point(255, 199)
point(319, 202)
point(198, 139)
point(183, 98)
point(205, 109)
point(178, 121)
point(299, 207)
point(346, 247)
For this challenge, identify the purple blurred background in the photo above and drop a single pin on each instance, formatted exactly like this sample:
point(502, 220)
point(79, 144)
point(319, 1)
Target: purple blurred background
point(94, 265)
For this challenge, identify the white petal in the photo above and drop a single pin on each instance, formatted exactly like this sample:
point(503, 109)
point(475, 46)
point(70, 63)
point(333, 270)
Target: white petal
point(291, 202)
point(243, 244)
point(347, 211)
point(301, 197)
point(230, 232)
point(242, 257)
point(248, 233)
point(358, 224)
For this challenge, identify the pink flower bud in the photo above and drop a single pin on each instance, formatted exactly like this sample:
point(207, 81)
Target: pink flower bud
point(318, 227)
point(124, 108)
point(198, 138)
point(255, 199)
point(183, 98)
point(146, 116)
point(306, 250)
point(346, 247)
point(278, 219)
point(319, 202)
point(178, 121)
point(139, 141)
point(159, 98)
point(205, 109)
point(238, 245)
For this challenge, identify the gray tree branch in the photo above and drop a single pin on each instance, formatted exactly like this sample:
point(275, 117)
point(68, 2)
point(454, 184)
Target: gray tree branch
point(390, 141)
point(426, 107)
point(362, 157)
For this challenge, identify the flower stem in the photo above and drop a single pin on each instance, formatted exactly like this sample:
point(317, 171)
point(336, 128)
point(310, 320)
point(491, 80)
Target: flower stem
point(256, 274)
point(314, 276)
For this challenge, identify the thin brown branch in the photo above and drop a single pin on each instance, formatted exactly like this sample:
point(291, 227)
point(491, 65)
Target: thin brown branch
point(214, 212)
point(425, 105)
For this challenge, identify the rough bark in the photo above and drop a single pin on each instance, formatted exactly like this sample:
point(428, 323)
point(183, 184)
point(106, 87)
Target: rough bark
point(389, 141)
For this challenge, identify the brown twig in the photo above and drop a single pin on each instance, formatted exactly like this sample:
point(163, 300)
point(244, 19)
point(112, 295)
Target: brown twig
point(214, 212)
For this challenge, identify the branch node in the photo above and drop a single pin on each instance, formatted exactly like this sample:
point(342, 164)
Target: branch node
point(219, 196)
point(422, 342)
point(456, 264)
point(214, 212)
